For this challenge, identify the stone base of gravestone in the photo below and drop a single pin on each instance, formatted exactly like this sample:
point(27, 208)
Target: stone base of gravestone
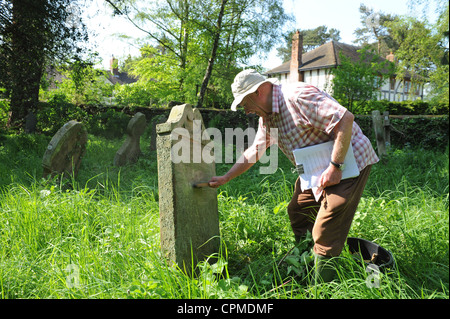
point(130, 150)
point(65, 150)
point(189, 219)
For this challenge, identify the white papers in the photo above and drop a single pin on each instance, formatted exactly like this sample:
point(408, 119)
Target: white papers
point(312, 161)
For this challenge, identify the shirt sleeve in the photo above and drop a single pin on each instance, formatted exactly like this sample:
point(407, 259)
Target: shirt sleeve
point(318, 109)
point(262, 141)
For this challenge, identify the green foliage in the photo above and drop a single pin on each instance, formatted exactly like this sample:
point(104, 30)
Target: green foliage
point(416, 132)
point(419, 132)
point(105, 223)
point(106, 122)
point(20, 158)
point(4, 109)
point(31, 34)
point(222, 120)
point(375, 27)
point(81, 84)
point(198, 39)
point(152, 70)
point(359, 80)
point(109, 123)
point(312, 38)
point(135, 94)
point(417, 107)
point(56, 112)
point(423, 50)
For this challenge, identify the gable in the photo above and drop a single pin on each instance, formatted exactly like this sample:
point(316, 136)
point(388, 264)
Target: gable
point(322, 57)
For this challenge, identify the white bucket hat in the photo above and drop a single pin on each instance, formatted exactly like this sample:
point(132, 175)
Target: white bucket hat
point(246, 82)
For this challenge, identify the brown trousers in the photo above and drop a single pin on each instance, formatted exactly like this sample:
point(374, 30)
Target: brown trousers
point(328, 220)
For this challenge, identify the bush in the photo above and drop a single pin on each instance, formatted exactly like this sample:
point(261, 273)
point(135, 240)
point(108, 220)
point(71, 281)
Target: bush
point(426, 133)
point(52, 115)
point(419, 132)
point(109, 124)
point(134, 94)
point(106, 122)
point(228, 119)
point(418, 107)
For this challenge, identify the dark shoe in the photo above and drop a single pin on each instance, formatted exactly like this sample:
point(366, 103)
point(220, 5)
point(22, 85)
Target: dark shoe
point(324, 269)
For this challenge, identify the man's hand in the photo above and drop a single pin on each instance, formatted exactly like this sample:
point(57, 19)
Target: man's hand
point(217, 181)
point(331, 176)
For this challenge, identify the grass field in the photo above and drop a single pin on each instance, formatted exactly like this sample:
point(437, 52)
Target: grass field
point(98, 236)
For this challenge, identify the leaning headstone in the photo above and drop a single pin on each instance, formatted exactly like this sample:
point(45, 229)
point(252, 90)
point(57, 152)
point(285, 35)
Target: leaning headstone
point(130, 150)
point(65, 150)
point(189, 219)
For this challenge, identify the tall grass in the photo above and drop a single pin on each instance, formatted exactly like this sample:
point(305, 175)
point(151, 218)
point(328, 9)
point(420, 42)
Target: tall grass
point(97, 236)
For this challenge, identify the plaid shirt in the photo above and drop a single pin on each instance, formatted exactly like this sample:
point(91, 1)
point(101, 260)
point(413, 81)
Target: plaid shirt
point(304, 116)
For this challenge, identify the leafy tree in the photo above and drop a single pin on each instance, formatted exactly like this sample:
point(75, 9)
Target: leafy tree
point(359, 80)
point(196, 47)
point(312, 38)
point(375, 29)
point(33, 33)
point(81, 83)
point(423, 50)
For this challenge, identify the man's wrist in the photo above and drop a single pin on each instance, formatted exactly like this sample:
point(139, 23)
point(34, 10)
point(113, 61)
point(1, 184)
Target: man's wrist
point(340, 166)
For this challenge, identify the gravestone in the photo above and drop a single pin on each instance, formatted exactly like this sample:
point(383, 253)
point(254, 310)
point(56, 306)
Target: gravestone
point(65, 150)
point(157, 120)
point(189, 219)
point(130, 150)
point(30, 123)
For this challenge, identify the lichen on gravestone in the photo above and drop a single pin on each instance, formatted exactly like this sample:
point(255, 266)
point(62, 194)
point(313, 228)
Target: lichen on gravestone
point(189, 219)
point(65, 151)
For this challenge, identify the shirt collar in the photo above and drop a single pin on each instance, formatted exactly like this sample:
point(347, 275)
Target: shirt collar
point(277, 98)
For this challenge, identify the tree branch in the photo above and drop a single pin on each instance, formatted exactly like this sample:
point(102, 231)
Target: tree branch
point(140, 28)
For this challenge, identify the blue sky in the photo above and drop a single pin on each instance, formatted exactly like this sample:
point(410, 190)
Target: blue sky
point(342, 15)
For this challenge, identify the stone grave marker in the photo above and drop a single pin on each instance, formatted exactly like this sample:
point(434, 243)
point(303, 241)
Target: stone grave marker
point(130, 150)
point(65, 150)
point(189, 219)
point(157, 120)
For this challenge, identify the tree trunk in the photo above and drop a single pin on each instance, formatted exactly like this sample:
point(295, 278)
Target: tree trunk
point(213, 55)
point(26, 60)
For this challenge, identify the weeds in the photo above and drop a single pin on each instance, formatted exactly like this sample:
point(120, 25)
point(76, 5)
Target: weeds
point(97, 236)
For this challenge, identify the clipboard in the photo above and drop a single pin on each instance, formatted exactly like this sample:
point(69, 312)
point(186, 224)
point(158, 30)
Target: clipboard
point(312, 161)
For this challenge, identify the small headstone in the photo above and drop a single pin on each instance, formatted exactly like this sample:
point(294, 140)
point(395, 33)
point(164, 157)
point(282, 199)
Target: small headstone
point(30, 123)
point(189, 219)
point(65, 150)
point(130, 150)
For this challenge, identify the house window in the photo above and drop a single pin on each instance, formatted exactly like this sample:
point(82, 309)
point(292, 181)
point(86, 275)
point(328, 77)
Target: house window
point(418, 89)
point(392, 83)
point(407, 86)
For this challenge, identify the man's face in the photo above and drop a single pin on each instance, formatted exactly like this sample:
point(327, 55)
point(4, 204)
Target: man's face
point(254, 103)
point(249, 105)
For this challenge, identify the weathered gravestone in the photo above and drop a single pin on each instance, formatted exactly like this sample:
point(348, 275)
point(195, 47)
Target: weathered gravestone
point(189, 219)
point(65, 150)
point(157, 120)
point(130, 150)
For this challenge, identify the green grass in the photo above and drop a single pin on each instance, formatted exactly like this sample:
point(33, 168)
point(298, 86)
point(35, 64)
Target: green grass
point(97, 236)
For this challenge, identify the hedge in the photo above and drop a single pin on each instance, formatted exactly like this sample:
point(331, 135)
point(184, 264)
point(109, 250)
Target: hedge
point(428, 132)
point(417, 107)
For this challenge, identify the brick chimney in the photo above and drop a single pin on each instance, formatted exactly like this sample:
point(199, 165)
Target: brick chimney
point(296, 59)
point(114, 66)
point(390, 57)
